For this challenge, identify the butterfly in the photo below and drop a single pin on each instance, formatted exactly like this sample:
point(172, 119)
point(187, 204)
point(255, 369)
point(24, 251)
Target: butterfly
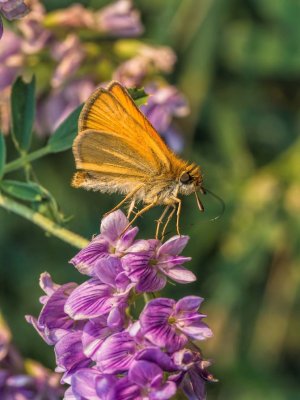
point(117, 150)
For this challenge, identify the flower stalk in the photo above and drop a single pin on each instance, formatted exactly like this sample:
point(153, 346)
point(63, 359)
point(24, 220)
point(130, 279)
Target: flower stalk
point(43, 222)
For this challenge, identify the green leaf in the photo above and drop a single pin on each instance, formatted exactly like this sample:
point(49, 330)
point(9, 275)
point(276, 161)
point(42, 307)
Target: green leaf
point(62, 139)
point(23, 112)
point(2, 154)
point(139, 96)
point(28, 191)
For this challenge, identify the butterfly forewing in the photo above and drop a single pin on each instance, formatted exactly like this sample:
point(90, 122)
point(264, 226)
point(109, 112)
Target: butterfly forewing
point(96, 150)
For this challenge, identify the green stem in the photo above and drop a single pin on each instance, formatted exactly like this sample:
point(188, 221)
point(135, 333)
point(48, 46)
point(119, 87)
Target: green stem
point(43, 222)
point(23, 160)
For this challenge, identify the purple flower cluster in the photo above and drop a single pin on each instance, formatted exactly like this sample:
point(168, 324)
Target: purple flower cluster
point(103, 351)
point(22, 380)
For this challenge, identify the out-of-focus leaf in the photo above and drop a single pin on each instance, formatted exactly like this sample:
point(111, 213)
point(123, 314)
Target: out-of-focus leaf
point(139, 96)
point(2, 154)
point(28, 191)
point(62, 139)
point(23, 112)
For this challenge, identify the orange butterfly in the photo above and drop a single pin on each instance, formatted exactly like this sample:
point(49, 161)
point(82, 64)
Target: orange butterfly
point(118, 150)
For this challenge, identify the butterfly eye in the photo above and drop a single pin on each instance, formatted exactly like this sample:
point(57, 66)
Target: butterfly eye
point(185, 178)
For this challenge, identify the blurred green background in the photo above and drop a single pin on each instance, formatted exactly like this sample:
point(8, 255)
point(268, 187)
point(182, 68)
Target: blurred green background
point(239, 66)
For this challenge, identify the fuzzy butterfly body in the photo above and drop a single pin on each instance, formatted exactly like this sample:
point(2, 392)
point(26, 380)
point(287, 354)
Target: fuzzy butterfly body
point(118, 150)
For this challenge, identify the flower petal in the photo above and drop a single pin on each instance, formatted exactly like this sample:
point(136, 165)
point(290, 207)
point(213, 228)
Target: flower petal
point(86, 259)
point(94, 333)
point(151, 281)
point(173, 246)
point(199, 331)
point(117, 353)
point(166, 391)
point(180, 275)
point(107, 268)
point(113, 225)
point(188, 304)
point(69, 352)
point(142, 373)
point(89, 300)
point(83, 383)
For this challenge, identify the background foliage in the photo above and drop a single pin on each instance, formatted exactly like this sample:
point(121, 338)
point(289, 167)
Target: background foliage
point(239, 66)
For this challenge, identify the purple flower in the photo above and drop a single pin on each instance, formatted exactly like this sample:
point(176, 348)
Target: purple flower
point(149, 263)
point(194, 373)
point(144, 381)
point(19, 380)
point(94, 334)
point(101, 349)
point(53, 322)
point(119, 19)
point(35, 35)
point(11, 59)
point(162, 58)
point(105, 293)
point(108, 242)
point(132, 72)
point(12, 9)
point(91, 384)
point(69, 355)
point(60, 103)
point(70, 54)
point(163, 105)
point(117, 353)
point(169, 324)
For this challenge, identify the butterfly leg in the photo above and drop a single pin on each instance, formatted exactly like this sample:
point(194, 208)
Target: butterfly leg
point(138, 214)
point(127, 197)
point(167, 222)
point(131, 208)
point(160, 221)
point(178, 201)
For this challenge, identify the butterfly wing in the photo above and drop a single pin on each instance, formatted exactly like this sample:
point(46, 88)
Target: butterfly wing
point(116, 144)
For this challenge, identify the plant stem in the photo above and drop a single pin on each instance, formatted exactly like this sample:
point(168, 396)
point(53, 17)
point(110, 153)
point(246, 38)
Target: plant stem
point(43, 222)
point(23, 160)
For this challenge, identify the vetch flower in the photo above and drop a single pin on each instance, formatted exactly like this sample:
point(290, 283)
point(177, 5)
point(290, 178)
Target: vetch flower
point(163, 105)
point(144, 381)
point(23, 379)
point(70, 54)
point(96, 297)
point(53, 322)
point(103, 351)
point(148, 60)
point(150, 263)
point(69, 355)
point(35, 35)
point(12, 9)
point(94, 333)
point(91, 384)
point(194, 373)
point(170, 325)
point(119, 19)
point(117, 353)
point(60, 103)
point(109, 241)
point(11, 59)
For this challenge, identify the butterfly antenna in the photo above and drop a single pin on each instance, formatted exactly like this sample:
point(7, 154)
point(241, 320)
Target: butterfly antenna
point(219, 199)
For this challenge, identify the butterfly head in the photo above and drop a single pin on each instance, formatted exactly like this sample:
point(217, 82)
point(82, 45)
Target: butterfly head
point(190, 181)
